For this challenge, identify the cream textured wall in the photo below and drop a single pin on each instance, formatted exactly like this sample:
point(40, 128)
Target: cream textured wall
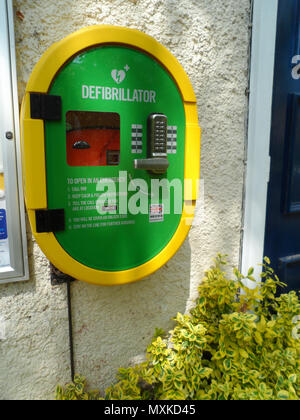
point(112, 326)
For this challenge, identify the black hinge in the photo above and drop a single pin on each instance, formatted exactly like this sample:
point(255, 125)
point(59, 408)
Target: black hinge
point(50, 220)
point(45, 107)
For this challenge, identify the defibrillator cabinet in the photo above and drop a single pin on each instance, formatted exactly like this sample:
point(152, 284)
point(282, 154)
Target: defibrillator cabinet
point(109, 116)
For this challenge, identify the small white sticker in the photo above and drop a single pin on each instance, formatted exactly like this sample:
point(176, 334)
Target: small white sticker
point(156, 213)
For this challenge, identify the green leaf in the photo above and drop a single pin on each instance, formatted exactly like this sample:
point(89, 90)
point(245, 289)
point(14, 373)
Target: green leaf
point(202, 301)
point(283, 395)
point(251, 271)
point(243, 353)
point(221, 300)
point(159, 332)
point(293, 378)
point(258, 338)
point(227, 364)
point(262, 387)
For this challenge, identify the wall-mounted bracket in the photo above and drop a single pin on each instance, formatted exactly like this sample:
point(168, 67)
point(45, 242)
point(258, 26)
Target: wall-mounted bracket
point(45, 107)
point(50, 220)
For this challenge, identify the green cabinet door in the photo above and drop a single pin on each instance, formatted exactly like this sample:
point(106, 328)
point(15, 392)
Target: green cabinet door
point(107, 94)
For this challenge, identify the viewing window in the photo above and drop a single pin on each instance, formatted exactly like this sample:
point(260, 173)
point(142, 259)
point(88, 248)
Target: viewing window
point(93, 138)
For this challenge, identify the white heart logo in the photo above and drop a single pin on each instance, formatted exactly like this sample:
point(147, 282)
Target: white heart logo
point(118, 75)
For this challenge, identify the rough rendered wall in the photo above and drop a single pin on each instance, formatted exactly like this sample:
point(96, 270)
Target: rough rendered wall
point(112, 326)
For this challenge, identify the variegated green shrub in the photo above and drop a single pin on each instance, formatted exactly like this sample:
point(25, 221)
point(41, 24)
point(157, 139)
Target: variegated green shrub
point(236, 344)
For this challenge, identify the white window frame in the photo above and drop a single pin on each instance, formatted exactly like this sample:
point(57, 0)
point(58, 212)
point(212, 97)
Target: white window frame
point(259, 131)
point(9, 122)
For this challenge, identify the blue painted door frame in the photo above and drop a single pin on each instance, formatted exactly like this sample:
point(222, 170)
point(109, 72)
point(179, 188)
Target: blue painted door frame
point(282, 234)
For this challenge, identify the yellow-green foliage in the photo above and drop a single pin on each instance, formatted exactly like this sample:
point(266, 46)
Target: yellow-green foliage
point(76, 391)
point(236, 344)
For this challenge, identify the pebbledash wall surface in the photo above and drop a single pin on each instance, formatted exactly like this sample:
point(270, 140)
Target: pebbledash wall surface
point(113, 326)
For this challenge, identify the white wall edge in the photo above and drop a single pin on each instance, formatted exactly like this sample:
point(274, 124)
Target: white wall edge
point(259, 130)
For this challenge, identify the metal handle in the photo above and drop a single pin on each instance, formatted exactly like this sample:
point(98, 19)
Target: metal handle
point(155, 165)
